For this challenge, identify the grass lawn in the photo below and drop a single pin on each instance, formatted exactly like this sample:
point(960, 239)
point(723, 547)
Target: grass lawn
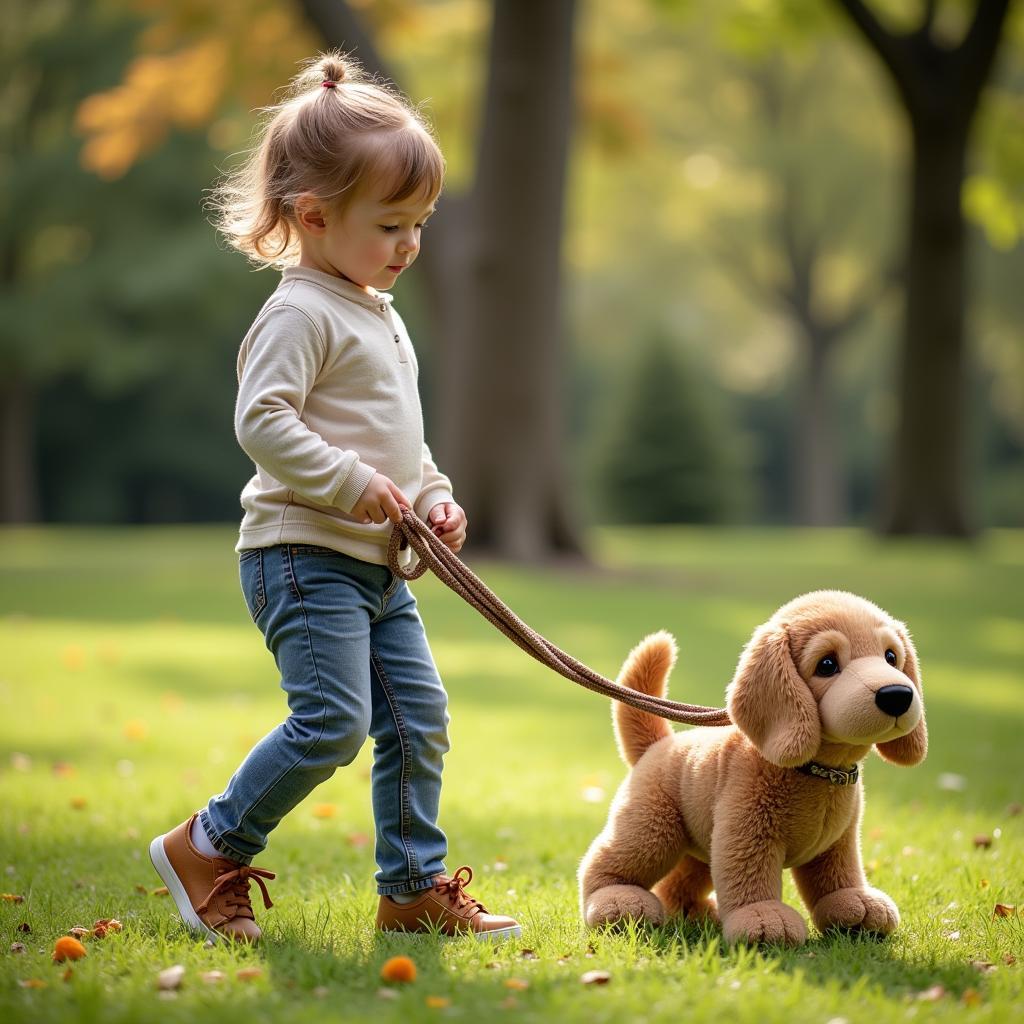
point(132, 682)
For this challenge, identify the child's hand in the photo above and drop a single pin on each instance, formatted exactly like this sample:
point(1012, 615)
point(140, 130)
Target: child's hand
point(379, 501)
point(448, 521)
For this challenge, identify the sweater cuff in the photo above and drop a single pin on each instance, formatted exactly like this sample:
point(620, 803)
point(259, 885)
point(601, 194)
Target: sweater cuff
point(353, 486)
point(426, 501)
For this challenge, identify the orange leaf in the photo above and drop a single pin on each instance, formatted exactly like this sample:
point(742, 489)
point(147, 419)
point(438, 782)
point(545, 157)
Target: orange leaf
point(10, 897)
point(1004, 910)
point(324, 811)
point(162, 891)
point(249, 973)
point(67, 948)
point(437, 1002)
point(398, 968)
point(971, 997)
point(32, 983)
point(78, 803)
point(520, 984)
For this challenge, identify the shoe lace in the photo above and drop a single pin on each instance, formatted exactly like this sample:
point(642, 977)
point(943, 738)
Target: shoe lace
point(455, 889)
point(235, 882)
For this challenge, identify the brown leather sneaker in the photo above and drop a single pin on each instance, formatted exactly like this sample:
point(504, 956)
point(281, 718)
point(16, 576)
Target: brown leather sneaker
point(211, 893)
point(448, 908)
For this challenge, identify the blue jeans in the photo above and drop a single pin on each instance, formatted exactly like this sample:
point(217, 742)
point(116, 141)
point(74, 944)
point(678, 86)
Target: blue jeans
point(354, 661)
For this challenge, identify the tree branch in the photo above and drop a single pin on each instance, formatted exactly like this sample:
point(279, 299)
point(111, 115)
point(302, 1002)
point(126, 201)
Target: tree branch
point(978, 49)
point(341, 28)
point(890, 48)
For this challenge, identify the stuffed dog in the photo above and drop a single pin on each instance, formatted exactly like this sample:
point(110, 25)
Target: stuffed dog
point(726, 809)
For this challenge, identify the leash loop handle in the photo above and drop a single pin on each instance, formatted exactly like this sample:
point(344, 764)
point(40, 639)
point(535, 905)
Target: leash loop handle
point(457, 576)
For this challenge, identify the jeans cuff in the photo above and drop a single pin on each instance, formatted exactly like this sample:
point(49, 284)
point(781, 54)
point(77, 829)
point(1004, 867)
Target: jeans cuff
point(417, 885)
point(218, 843)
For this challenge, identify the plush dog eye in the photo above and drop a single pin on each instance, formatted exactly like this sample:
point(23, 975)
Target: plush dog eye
point(828, 666)
point(890, 656)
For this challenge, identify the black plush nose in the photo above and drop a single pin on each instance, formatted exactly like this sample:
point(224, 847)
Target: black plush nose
point(895, 699)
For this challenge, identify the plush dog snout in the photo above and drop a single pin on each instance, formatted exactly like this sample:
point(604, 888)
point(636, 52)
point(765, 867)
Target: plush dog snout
point(895, 699)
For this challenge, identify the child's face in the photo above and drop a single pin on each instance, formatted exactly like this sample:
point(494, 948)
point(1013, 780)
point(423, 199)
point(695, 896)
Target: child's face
point(368, 242)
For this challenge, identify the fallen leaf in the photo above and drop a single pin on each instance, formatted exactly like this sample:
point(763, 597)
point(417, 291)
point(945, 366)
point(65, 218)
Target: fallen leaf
point(1004, 910)
point(63, 770)
point(25, 927)
point(142, 888)
point(21, 762)
point(596, 978)
point(10, 897)
point(983, 966)
point(982, 841)
point(170, 978)
point(528, 954)
point(437, 1002)
point(17, 947)
point(162, 891)
point(931, 995)
point(31, 983)
point(78, 803)
point(983, 883)
point(67, 975)
point(324, 810)
point(249, 973)
point(212, 977)
point(519, 984)
point(104, 925)
point(67, 948)
point(399, 969)
point(1009, 959)
point(78, 932)
point(971, 997)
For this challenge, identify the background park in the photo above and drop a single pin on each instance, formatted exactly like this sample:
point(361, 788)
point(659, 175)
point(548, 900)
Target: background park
point(721, 304)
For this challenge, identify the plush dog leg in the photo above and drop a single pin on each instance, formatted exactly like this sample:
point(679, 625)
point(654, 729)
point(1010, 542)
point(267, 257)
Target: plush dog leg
point(747, 870)
point(686, 889)
point(641, 842)
point(837, 894)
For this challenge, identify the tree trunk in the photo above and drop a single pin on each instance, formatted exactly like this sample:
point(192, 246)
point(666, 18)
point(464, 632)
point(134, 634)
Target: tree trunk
point(491, 266)
point(504, 438)
point(19, 496)
point(939, 87)
point(818, 477)
point(927, 485)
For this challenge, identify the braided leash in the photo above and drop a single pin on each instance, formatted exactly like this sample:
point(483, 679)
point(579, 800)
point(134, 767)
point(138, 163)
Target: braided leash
point(455, 575)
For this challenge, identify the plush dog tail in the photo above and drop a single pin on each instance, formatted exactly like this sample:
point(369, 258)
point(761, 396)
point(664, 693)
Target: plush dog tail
point(646, 669)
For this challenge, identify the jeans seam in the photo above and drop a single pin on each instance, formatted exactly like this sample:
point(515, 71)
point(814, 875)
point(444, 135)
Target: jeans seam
point(403, 800)
point(386, 596)
point(293, 587)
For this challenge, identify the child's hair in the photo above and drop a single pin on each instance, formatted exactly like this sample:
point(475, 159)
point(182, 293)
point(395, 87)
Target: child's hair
point(336, 133)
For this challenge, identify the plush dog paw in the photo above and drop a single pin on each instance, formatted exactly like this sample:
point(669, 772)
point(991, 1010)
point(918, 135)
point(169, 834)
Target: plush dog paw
point(868, 910)
point(617, 903)
point(769, 921)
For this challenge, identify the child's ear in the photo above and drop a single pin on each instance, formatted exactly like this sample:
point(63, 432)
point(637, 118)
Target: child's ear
point(912, 748)
point(309, 212)
point(770, 702)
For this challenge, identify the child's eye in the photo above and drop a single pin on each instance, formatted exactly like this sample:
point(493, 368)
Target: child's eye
point(389, 227)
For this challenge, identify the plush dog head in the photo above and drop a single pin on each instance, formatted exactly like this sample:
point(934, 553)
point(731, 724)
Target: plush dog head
point(830, 667)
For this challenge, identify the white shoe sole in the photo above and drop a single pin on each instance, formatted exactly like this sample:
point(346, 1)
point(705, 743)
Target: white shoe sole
point(189, 917)
point(499, 934)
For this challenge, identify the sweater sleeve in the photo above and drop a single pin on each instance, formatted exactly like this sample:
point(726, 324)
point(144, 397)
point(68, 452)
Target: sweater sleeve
point(435, 488)
point(277, 368)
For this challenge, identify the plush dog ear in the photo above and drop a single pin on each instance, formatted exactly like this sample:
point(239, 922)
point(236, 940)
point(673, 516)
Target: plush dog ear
point(910, 749)
point(769, 701)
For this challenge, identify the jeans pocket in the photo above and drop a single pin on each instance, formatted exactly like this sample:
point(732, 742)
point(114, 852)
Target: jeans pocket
point(250, 571)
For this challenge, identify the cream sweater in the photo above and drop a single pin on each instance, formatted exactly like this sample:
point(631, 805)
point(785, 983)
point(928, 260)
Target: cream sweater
point(327, 397)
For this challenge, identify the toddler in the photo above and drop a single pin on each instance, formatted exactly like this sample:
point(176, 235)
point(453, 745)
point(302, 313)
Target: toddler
point(336, 192)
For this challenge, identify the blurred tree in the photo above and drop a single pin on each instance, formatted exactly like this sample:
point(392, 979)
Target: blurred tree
point(669, 454)
point(939, 84)
point(494, 270)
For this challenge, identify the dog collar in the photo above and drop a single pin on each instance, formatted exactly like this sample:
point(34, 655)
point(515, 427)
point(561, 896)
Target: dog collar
point(835, 776)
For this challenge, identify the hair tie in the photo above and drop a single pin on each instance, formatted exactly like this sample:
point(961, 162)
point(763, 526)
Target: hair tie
point(328, 84)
